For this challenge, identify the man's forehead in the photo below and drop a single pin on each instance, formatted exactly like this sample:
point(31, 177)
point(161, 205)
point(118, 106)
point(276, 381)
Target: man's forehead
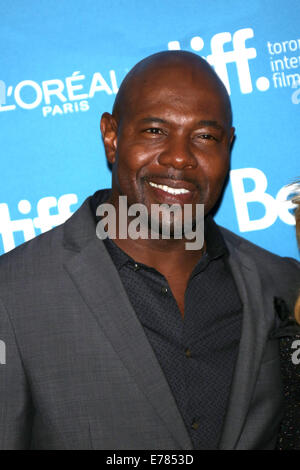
point(171, 75)
point(176, 101)
point(181, 99)
point(172, 88)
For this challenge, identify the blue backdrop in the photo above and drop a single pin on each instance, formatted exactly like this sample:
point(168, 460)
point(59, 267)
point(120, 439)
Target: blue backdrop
point(61, 64)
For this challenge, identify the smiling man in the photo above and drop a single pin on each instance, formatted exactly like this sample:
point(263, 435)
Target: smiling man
point(139, 343)
point(168, 141)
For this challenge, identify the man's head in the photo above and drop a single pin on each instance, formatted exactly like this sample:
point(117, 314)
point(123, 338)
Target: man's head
point(170, 129)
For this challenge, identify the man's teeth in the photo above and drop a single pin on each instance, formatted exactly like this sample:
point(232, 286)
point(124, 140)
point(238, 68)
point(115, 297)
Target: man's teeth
point(166, 188)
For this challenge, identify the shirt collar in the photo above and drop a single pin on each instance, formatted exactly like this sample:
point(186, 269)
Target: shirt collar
point(118, 256)
point(215, 244)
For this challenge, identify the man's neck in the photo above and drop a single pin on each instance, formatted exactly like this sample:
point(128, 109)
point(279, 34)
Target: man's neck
point(166, 256)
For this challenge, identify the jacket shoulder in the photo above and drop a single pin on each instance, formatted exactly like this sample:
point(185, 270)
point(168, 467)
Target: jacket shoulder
point(38, 250)
point(280, 274)
point(260, 254)
point(47, 250)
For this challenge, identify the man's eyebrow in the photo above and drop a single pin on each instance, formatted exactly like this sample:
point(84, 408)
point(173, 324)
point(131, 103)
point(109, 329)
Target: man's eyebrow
point(210, 124)
point(153, 119)
point(203, 122)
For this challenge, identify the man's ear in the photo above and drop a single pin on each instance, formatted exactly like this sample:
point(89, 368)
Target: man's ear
point(232, 137)
point(108, 127)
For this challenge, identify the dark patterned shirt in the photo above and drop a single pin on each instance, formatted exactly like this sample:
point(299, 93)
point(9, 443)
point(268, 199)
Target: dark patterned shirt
point(198, 353)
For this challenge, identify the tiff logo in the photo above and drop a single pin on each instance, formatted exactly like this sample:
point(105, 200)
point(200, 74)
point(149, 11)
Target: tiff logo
point(240, 54)
point(44, 221)
point(2, 352)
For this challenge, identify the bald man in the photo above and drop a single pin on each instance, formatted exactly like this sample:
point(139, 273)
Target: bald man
point(120, 337)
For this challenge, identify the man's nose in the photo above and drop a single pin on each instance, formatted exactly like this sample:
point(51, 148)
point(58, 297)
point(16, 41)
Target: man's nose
point(178, 154)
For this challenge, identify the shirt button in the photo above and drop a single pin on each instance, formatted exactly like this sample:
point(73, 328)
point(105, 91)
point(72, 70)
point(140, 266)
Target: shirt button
point(136, 267)
point(187, 352)
point(164, 290)
point(195, 425)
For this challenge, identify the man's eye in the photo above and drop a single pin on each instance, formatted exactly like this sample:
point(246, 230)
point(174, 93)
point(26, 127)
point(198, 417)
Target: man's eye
point(154, 130)
point(206, 137)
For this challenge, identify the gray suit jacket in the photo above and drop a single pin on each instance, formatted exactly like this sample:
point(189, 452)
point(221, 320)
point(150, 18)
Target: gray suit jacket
point(79, 372)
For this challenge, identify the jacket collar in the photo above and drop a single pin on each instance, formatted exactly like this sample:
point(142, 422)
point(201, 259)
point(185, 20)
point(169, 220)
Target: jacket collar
point(98, 282)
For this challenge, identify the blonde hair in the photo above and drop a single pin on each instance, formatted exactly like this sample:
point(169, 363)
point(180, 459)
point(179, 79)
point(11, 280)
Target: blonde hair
point(296, 200)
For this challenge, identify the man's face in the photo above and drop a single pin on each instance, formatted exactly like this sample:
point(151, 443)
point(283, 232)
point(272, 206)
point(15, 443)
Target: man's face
point(172, 143)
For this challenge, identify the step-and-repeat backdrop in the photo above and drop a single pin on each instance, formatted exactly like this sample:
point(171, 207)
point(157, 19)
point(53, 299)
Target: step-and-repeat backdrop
point(61, 64)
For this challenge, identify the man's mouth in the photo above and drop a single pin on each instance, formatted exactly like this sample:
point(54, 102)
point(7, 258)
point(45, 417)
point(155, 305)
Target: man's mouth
point(171, 191)
point(168, 189)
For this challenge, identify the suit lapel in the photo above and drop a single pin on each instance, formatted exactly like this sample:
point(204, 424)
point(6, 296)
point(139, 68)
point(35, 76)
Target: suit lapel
point(98, 282)
point(252, 343)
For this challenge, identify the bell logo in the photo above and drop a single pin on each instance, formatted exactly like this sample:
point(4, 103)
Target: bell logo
point(240, 55)
point(279, 206)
